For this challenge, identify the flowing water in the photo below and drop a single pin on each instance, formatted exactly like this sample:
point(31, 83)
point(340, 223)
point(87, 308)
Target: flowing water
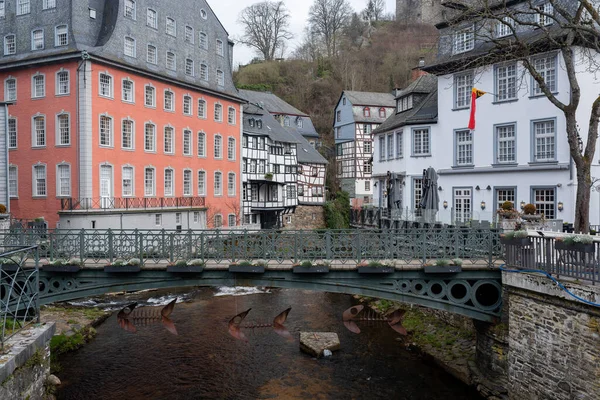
point(204, 362)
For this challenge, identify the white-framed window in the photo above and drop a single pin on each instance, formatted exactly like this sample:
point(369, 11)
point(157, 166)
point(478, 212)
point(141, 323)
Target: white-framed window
point(405, 103)
point(201, 144)
point(158, 219)
point(169, 141)
point(39, 86)
point(218, 186)
point(218, 221)
point(171, 27)
point(201, 108)
point(220, 78)
point(129, 46)
point(178, 218)
point(187, 105)
point(129, 9)
point(546, 67)
point(127, 134)
point(544, 200)
point(382, 112)
point(381, 148)
point(367, 168)
point(464, 147)
point(367, 147)
point(37, 39)
point(201, 183)
point(187, 182)
point(10, 89)
point(61, 36)
point(463, 86)
point(48, 4)
point(218, 113)
point(203, 40)
point(390, 146)
point(63, 130)
point(2, 8)
point(506, 144)
point(106, 131)
point(150, 96)
point(127, 91)
point(169, 183)
point(204, 72)
point(171, 61)
point(12, 133)
point(63, 180)
point(506, 82)
point(463, 204)
point(503, 195)
point(10, 45)
point(149, 181)
point(421, 142)
point(231, 149)
point(505, 27)
point(189, 34)
point(13, 181)
point(151, 57)
point(231, 184)
point(39, 131)
point(189, 67)
point(23, 7)
point(127, 181)
point(169, 100)
point(106, 85)
point(399, 144)
point(231, 220)
point(464, 40)
point(218, 150)
point(106, 183)
point(203, 13)
point(39, 181)
point(367, 186)
point(151, 18)
point(196, 217)
point(231, 115)
point(544, 134)
point(150, 137)
point(220, 49)
point(546, 15)
point(299, 122)
point(63, 86)
point(187, 142)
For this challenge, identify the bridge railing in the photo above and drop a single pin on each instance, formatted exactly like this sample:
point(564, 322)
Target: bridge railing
point(415, 246)
point(19, 295)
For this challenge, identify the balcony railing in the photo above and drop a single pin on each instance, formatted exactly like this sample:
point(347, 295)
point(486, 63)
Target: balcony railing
point(130, 203)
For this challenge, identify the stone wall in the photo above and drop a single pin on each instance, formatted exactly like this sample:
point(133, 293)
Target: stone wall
point(305, 217)
point(554, 340)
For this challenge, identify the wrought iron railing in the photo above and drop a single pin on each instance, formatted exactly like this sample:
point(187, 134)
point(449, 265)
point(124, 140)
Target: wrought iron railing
point(19, 295)
point(381, 217)
point(126, 203)
point(415, 246)
point(546, 253)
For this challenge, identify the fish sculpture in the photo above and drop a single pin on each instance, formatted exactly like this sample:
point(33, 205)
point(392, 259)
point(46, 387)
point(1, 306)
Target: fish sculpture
point(235, 325)
point(353, 315)
point(131, 316)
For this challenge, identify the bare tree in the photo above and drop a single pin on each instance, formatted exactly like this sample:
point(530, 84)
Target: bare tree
point(374, 11)
point(327, 19)
point(520, 33)
point(266, 27)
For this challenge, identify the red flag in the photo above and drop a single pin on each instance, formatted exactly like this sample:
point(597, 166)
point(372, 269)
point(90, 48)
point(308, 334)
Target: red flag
point(475, 94)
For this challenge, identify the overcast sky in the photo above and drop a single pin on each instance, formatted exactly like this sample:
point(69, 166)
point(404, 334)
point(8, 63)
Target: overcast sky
point(228, 12)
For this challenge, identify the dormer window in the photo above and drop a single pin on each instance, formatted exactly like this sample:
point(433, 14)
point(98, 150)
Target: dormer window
point(259, 124)
point(544, 17)
point(464, 40)
point(251, 122)
point(366, 112)
point(299, 122)
point(382, 113)
point(505, 27)
point(405, 103)
point(286, 121)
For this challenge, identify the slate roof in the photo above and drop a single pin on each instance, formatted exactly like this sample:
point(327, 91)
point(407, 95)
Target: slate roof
point(270, 126)
point(370, 99)
point(270, 102)
point(423, 113)
point(423, 84)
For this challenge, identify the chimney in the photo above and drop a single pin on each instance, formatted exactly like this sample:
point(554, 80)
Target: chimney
point(417, 72)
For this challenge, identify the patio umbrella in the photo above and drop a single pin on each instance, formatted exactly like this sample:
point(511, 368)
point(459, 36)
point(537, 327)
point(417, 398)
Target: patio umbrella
point(430, 200)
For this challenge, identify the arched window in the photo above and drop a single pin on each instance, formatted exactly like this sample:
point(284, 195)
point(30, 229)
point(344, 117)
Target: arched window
point(382, 113)
point(366, 112)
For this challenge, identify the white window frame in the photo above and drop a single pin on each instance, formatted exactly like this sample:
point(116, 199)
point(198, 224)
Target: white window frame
point(34, 134)
point(130, 9)
point(152, 192)
point(189, 67)
point(187, 138)
point(151, 54)
point(171, 28)
point(231, 148)
point(542, 19)
point(13, 133)
point(187, 104)
point(108, 85)
point(111, 136)
point(203, 40)
point(48, 4)
point(10, 44)
point(204, 72)
point(218, 221)
point(546, 139)
point(124, 96)
point(2, 9)
point(125, 193)
point(131, 122)
point(204, 104)
point(419, 151)
point(34, 181)
point(8, 96)
point(59, 178)
point(188, 182)
point(505, 27)
point(399, 143)
point(59, 34)
point(218, 184)
point(189, 34)
point(505, 152)
point(59, 129)
point(390, 146)
point(34, 86)
point(218, 112)
point(541, 65)
point(38, 43)
point(506, 75)
point(201, 145)
point(220, 48)
point(229, 223)
point(220, 78)
point(59, 73)
point(13, 176)
point(153, 98)
point(23, 7)
point(129, 46)
point(231, 184)
point(171, 61)
point(218, 147)
point(169, 142)
point(463, 40)
point(201, 182)
point(463, 87)
point(169, 105)
point(463, 148)
point(153, 137)
point(539, 204)
point(169, 182)
point(151, 18)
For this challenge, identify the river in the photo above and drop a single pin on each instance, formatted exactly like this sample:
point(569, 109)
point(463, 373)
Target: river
point(204, 362)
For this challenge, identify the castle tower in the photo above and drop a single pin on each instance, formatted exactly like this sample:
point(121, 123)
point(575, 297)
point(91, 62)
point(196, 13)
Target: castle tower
point(419, 11)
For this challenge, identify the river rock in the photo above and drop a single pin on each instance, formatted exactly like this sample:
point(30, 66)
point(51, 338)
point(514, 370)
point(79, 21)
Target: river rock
point(53, 380)
point(314, 343)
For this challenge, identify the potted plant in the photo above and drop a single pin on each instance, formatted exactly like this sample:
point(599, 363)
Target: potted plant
point(10, 264)
point(375, 267)
point(182, 266)
point(63, 265)
point(507, 211)
point(580, 243)
point(307, 267)
point(122, 266)
point(515, 238)
point(529, 213)
point(443, 266)
point(269, 176)
point(248, 267)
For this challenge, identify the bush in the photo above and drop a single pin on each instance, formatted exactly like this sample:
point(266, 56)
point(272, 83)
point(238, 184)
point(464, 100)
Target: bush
point(529, 209)
point(508, 206)
point(2, 209)
point(337, 212)
point(442, 263)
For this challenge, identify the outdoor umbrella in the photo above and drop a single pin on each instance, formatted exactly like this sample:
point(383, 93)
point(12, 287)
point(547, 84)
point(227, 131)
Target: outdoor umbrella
point(430, 200)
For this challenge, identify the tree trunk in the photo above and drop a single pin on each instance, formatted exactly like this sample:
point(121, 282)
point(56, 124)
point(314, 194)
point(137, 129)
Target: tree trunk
point(582, 201)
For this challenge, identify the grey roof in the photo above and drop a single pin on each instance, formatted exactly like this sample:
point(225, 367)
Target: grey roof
point(423, 84)
point(308, 129)
point(305, 152)
point(270, 102)
point(370, 98)
point(270, 126)
point(423, 113)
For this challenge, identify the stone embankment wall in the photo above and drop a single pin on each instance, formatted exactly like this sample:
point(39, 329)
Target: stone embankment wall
point(306, 217)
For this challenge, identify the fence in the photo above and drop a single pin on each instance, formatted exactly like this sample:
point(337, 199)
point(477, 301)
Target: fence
point(378, 217)
point(411, 246)
point(19, 295)
point(127, 203)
